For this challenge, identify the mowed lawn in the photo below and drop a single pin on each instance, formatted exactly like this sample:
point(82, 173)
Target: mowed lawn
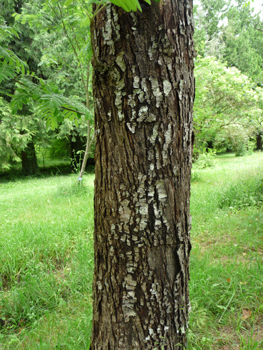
point(46, 259)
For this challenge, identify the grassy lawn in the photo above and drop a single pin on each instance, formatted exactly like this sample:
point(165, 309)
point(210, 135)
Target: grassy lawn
point(227, 258)
point(46, 259)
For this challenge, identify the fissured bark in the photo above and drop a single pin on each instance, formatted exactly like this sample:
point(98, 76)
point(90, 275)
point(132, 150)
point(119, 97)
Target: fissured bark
point(143, 94)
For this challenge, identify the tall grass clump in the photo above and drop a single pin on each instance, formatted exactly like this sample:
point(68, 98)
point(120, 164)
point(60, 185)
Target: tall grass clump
point(245, 192)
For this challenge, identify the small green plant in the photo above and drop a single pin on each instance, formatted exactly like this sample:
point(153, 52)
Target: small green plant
point(76, 161)
point(206, 159)
point(251, 145)
point(249, 343)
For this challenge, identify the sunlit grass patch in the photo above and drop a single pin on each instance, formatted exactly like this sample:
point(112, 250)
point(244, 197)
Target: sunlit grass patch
point(46, 261)
point(68, 327)
point(226, 284)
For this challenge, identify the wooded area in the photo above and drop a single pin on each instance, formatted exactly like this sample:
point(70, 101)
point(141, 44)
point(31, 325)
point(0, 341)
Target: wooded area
point(110, 84)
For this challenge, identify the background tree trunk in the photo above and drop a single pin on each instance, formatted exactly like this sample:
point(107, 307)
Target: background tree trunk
point(29, 160)
point(143, 93)
point(259, 142)
point(77, 148)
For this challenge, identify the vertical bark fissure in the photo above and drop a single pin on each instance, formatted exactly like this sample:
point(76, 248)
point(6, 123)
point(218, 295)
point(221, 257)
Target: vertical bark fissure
point(143, 115)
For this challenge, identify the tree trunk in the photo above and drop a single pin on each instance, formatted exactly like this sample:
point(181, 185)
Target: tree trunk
point(29, 160)
point(143, 94)
point(77, 148)
point(259, 142)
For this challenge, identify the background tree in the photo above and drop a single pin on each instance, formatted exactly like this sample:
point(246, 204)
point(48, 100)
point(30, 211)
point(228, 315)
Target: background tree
point(62, 90)
point(209, 17)
point(244, 42)
point(16, 52)
point(10, 137)
point(65, 29)
point(231, 32)
point(227, 109)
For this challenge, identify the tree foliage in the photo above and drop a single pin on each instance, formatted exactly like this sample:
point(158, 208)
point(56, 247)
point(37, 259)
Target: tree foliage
point(229, 43)
point(227, 107)
point(244, 41)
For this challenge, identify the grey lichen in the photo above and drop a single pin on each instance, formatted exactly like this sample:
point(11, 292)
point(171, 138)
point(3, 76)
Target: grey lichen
point(136, 81)
point(121, 116)
point(107, 31)
point(131, 127)
point(168, 140)
point(180, 93)
point(145, 89)
point(120, 61)
point(156, 91)
point(167, 87)
point(154, 134)
point(115, 23)
point(143, 114)
point(162, 195)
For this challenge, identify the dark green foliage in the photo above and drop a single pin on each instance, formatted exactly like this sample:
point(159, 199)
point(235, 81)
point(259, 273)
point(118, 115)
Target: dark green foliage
point(59, 149)
point(231, 32)
point(244, 41)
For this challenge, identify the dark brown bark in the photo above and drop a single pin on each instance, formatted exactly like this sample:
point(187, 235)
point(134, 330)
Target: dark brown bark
point(259, 142)
point(143, 94)
point(29, 160)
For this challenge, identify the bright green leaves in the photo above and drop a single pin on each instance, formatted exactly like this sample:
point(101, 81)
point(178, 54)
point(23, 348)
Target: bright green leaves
point(50, 104)
point(6, 32)
point(127, 5)
point(10, 64)
point(68, 2)
point(130, 5)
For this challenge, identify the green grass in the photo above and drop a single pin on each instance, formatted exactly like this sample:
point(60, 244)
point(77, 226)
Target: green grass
point(226, 286)
point(46, 259)
point(46, 263)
